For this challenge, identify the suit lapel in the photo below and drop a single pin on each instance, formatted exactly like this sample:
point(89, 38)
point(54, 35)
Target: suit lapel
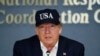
point(36, 49)
point(62, 47)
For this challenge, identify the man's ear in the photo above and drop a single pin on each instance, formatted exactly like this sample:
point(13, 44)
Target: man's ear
point(36, 29)
point(60, 30)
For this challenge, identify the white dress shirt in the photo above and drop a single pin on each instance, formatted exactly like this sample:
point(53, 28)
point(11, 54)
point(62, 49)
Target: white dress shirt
point(53, 52)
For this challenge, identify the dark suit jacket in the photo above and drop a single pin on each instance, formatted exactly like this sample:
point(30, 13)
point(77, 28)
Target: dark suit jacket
point(31, 47)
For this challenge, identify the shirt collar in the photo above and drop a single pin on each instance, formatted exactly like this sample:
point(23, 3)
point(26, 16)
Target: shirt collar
point(44, 48)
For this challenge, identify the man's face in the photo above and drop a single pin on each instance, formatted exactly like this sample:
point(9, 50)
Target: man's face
point(49, 33)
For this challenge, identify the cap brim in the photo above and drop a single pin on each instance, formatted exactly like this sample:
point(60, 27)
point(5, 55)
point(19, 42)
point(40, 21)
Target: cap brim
point(48, 21)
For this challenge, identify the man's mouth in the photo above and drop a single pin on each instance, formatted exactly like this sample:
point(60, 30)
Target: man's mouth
point(47, 37)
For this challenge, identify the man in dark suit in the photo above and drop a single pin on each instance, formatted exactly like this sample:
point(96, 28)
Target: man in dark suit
point(48, 41)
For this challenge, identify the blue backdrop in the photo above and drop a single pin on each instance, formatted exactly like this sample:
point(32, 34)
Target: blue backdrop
point(80, 19)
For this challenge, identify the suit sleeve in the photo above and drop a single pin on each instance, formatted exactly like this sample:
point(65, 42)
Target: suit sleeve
point(16, 49)
point(82, 50)
point(77, 49)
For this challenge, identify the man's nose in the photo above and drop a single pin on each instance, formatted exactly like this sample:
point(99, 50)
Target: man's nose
point(47, 30)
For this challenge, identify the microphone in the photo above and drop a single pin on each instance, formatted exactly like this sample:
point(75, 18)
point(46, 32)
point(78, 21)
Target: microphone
point(48, 53)
point(64, 54)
